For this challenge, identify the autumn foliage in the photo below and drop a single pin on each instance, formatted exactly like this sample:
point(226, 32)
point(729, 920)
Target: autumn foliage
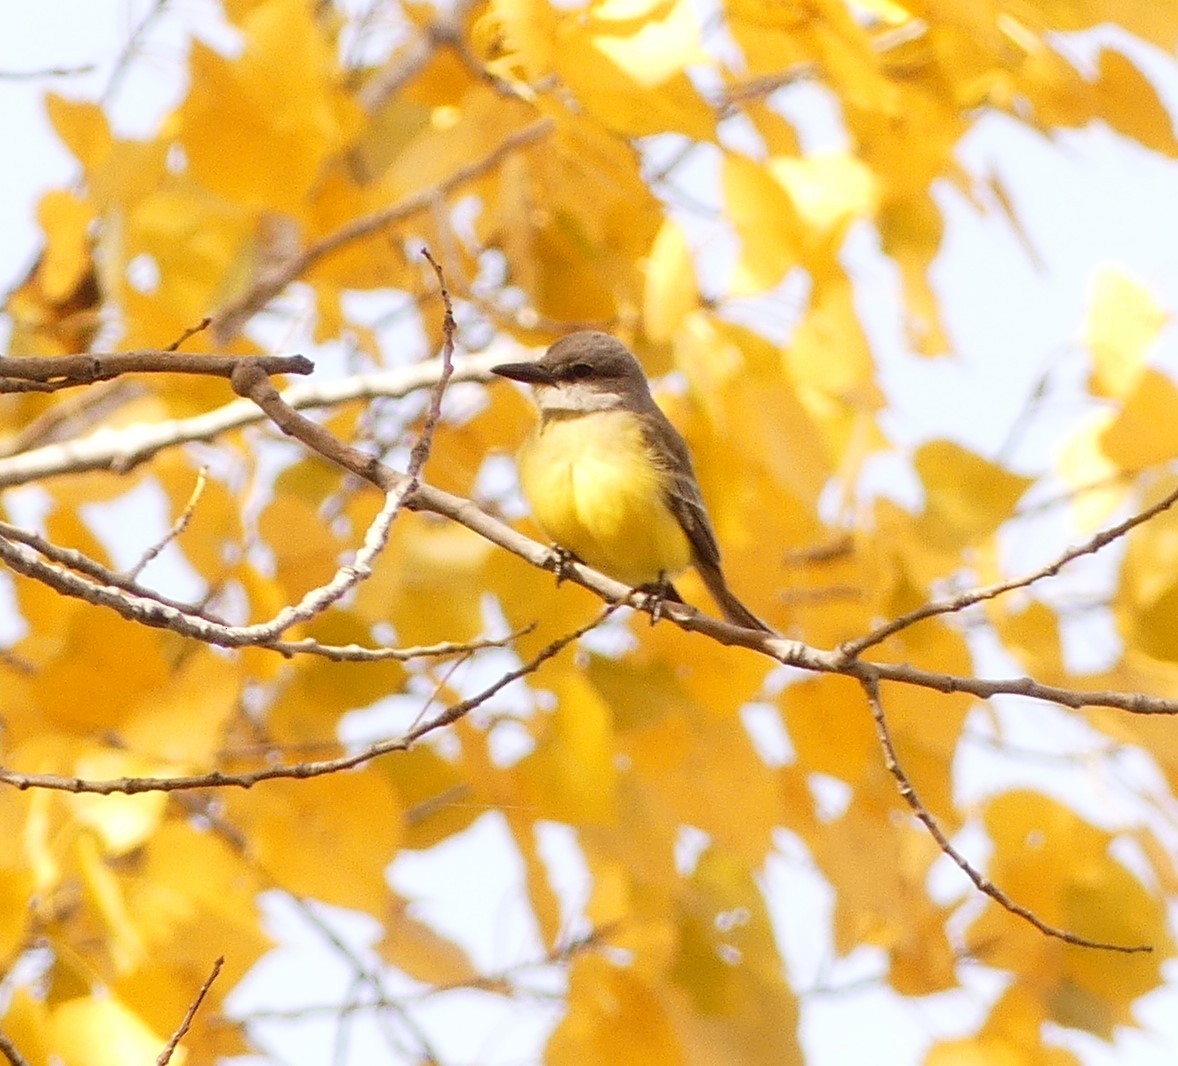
point(656, 170)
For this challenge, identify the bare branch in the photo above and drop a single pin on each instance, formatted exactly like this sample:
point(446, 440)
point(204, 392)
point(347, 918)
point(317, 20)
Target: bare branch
point(35, 373)
point(123, 449)
point(981, 882)
point(178, 526)
point(83, 564)
point(216, 779)
point(230, 320)
point(1105, 537)
point(9, 1050)
point(354, 653)
point(165, 1056)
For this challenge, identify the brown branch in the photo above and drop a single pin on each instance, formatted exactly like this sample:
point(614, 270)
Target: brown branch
point(229, 321)
point(354, 653)
point(300, 771)
point(177, 527)
point(953, 604)
point(36, 373)
point(122, 450)
point(9, 1050)
point(165, 1056)
point(83, 564)
point(924, 816)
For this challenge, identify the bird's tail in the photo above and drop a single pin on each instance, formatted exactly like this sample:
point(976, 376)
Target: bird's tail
point(733, 610)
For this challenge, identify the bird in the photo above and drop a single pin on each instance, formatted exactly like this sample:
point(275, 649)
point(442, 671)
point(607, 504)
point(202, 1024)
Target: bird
point(609, 478)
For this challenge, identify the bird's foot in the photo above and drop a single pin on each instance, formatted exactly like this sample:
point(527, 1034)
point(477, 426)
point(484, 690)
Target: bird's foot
point(563, 560)
point(653, 596)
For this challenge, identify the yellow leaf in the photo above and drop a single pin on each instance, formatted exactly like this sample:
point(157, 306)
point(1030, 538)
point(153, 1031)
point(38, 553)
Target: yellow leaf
point(829, 189)
point(1032, 633)
point(122, 822)
point(731, 1002)
point(651, 40)
point(829, 353)
point(742, 383)
point(213, 537)
point(422, 581)
point(825, 737)
point(184, 920)
point(1144, 433)
point(435, 795)
point(278, 101)
point(105, 894)
point(614, 1016)
point(18, 882)
point(103, 1032)
point(305, 549)
point(523, 34)
point(1130, 103)
point(193, 243)
point(66, 220)
point(671, 289)
point(620, 100)
point(541, 895)
point(1091, 895)
point(570, 774)
point(1123, 323)
point(421, 951)
point(766, 222)
point(1085, 466)
point(880, 864)
point(1147, 595)
point(684, 768)
point(320, 691)
point(26, 1024)
point(353, 817)
point(79, 663)
point(911, 225)
point(966, 497)
point(84, 128)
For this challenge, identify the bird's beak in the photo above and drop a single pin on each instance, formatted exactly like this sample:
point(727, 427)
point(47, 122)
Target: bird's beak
point(529, 373)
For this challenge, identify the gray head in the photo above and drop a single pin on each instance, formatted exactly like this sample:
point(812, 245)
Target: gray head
point(586, 371)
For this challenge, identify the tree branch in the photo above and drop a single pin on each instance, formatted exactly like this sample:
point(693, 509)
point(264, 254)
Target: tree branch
point(953, 604)
point(123, 449)
point(981, 882)
point(34, 373)
point(165, 1056)
point(216, 779)
point(229, 321)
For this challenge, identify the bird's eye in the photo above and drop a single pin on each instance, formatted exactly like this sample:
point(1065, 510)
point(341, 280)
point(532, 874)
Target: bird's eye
point(580, 370)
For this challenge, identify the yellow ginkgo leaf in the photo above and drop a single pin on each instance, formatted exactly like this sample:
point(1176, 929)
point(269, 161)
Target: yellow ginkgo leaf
point(1123, 322)
point(101, 1031)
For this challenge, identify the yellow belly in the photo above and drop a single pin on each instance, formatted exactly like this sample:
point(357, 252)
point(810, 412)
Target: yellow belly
point(595, 491)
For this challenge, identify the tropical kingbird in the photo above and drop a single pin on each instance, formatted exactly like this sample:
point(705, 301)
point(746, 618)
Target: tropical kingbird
point(609, 478)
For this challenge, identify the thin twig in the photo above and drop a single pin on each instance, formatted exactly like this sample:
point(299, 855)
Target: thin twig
point(300, 771)
point(230, 321)
point(981, 882)
point(124, 449)
point(83, 564)
point(9, 1051)
point(853, 648)
point(165, 1056)
point(178, 526)
point(68, 371)
point(191, 331)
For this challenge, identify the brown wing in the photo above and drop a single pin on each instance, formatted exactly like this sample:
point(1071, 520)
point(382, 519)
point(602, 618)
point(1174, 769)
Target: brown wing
point(683, 496)
point(686, 503)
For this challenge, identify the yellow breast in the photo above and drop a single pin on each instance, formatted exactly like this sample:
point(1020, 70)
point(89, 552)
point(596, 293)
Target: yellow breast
point(594, 488)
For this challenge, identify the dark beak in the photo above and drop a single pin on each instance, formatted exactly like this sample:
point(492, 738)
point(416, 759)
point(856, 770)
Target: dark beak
point(529, 373)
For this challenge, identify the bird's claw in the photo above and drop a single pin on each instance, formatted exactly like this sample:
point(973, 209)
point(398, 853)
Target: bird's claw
point(563, 560)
